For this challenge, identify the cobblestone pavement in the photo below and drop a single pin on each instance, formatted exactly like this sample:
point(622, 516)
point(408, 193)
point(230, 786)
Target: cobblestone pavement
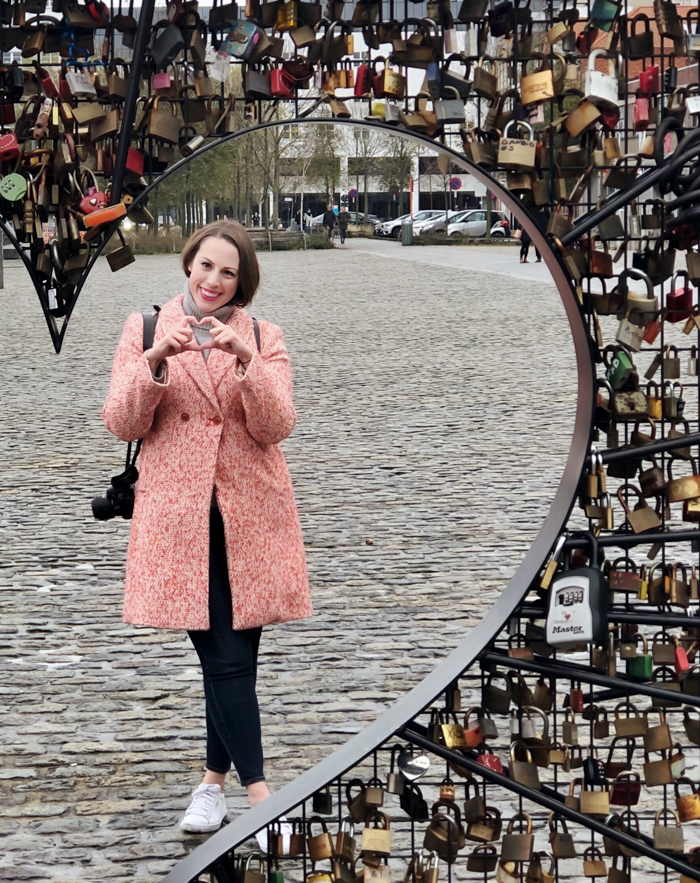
point(435, 410)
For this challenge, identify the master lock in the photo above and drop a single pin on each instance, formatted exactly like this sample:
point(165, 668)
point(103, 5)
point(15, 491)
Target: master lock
point(578, 604)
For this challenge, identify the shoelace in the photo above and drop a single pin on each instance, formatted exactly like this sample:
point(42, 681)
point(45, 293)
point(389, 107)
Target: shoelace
point(208, 798)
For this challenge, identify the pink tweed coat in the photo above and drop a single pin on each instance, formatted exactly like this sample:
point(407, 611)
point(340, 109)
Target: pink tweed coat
point(208, 427)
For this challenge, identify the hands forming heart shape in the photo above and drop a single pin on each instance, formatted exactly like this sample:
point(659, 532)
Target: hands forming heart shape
point(197, 335)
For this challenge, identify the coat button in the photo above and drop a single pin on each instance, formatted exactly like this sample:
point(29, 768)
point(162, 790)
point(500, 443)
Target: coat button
point(216, 420)
point(184, 417)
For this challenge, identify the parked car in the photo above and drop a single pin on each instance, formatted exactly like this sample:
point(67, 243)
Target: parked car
point(427, 225)
point(393, 228)
point(471, 222)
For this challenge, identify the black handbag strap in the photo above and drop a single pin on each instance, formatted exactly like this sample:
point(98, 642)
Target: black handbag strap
point(150, 320)
point(256, 329)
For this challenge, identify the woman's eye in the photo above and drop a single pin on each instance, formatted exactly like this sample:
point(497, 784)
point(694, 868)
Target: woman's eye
point(206, 265)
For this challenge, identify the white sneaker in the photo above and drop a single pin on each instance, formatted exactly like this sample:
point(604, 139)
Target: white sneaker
point(207, 810)
point(285, 830)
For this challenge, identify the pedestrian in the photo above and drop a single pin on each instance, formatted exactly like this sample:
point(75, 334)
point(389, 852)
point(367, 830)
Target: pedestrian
point(525, 241)
point(343, 221)
point(329, 220)
point(216, 546)
point(542, 218)
point(308, 221)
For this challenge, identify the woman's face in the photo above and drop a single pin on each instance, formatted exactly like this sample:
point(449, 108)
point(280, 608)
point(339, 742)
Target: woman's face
point(214, 273)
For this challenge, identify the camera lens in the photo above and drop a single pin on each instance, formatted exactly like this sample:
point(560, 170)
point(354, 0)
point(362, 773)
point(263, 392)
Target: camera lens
point(102, 508)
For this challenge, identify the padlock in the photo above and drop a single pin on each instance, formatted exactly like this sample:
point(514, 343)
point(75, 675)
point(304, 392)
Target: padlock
point(668, 838)
point(640, 666)
point(445, 834)
point(657, 772)
point(359, 810)
point(486, 828)
point(523, 771)
point(374, 793)
point(483, 859)
point(593, 770)
point(594, 803)
point(594, 863)
point(322, 801)
point(254, 876)
point(688, 805)
point(630, 725)
point(657, 738)
point(344, 847)
point(473, 735)
point(571, 799)
point(601, 725)
point(376, 836)
point(493, 698)
point(487, 758)
point(561, 842)
point(320, 846)
point(671, 363)
point(626, 789)
point(395, 780)
point(518, 847)
point(447, 789)
point(473, 807)
point(570, 735)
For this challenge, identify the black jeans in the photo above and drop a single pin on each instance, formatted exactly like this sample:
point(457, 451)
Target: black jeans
point(229, 662)
point(524, 249)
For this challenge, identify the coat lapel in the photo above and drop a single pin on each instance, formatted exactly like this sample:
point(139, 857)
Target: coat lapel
point(192, 362)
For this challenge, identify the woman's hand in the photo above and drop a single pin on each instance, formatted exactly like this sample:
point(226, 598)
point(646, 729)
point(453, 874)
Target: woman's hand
point(179, 340)
point(226, 339)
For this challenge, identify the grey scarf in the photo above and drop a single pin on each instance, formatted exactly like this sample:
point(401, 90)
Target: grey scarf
point(223, 314)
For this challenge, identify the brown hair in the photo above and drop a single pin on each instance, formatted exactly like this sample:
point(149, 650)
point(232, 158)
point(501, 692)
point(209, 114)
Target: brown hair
point(235, 233)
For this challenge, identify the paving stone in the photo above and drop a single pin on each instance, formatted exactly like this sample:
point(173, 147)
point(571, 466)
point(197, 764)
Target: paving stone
point(434, 423)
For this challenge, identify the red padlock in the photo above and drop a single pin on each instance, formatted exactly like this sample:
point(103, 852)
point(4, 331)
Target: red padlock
point(679, 303)
point(649, 80)
point(626, 789)
point(682, 665)
point(641, 112)
point(585, 40)
point(7, 111)
point(609, 117)
point(64, 92)
point(134, 161)
point(9, 146)
point(576, 699)
point(363, 85)
point(281, 84)
point(47, 84)
point(491, 761)
point(653, 328)
point(95, 199)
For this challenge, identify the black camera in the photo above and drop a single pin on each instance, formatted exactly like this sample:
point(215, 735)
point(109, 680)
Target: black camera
point(119, 499)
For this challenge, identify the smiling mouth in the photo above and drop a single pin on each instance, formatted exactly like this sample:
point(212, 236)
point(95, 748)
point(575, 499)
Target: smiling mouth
point(207, 295)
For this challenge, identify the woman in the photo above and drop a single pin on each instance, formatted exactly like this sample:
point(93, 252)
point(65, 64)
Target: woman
point(525, 240)
point(216, 545)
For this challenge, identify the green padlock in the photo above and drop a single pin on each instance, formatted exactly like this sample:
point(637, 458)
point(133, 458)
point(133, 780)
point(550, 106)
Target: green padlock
point(619, 366)
point(641, 666)
point(13, 187)
point(604, 13)
point(275, 876)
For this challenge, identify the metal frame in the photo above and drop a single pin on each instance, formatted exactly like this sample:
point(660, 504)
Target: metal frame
point(473, 644)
